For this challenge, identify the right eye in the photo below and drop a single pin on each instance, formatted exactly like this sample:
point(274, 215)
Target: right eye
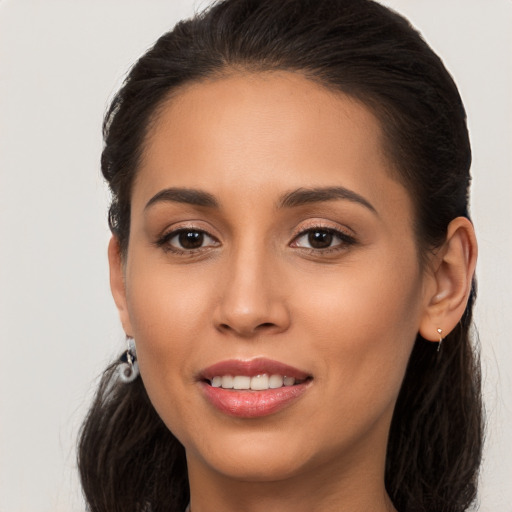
point(187, 240)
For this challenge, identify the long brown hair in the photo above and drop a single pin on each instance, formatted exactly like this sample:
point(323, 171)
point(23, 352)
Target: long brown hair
point(128, 459)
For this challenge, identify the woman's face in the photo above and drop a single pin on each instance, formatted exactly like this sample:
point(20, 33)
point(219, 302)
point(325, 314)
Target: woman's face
point(269, 239)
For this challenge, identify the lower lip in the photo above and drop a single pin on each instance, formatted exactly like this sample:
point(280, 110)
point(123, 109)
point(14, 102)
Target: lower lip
point(253, 404)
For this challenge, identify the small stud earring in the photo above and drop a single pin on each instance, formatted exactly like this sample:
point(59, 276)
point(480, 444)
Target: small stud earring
point(440, 332)
point(128, 370)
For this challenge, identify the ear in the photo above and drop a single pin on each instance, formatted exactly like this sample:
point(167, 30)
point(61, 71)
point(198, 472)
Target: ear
point(117, 285)
point(453, 270)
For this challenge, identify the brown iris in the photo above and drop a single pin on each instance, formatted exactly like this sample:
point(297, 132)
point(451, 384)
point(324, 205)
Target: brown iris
point(320, 239)
point(191, 239)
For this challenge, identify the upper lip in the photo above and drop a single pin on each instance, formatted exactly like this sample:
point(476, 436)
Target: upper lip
point(251, 368)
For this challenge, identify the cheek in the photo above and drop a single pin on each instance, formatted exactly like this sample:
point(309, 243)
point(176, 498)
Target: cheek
point(168, 311)
point(364, 324)
point(163, 301)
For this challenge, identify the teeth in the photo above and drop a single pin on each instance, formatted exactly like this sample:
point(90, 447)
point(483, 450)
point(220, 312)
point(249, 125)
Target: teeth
point(227, 382)
point(259, 382)
point(275, 381)
point(289, 381)
point(241, 382)
point(256, 383)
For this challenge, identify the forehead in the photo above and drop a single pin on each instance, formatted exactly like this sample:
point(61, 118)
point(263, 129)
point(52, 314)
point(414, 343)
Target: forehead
point(248, 130)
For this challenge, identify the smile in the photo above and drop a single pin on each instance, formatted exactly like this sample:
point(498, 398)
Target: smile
point(256, 383)
point(252, 389)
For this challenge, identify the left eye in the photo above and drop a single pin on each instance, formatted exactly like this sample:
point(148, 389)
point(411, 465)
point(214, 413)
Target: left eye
point(322, 239)
point(189, 239)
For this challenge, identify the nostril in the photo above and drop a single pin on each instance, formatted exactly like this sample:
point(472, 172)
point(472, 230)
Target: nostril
point(247, 330)
point(265, 325)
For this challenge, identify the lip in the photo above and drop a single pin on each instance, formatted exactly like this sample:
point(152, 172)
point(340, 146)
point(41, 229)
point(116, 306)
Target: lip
point(251, 368)
point(252, 404)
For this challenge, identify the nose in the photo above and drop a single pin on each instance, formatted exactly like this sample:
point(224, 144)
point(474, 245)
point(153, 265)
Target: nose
point(252, 299)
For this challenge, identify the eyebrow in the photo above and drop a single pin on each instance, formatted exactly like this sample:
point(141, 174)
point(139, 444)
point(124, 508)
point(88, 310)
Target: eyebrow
point(303, 196)
point(299, 197)
point(184, 195)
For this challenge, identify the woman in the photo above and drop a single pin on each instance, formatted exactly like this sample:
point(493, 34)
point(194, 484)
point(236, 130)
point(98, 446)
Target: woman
point(293, 259)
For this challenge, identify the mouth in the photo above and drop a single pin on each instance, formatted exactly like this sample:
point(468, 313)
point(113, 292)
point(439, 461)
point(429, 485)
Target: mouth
point(260, 382)
point(250, 389)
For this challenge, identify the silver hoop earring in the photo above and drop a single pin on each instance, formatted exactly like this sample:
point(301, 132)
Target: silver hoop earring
point(128, 370)
point(440, 332)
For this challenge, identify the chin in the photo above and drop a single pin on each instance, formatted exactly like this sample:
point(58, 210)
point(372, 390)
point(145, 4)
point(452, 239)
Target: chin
point(263, 454)
point(251, 465)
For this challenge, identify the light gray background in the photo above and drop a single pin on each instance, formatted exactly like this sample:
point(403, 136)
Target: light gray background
point(60, 61)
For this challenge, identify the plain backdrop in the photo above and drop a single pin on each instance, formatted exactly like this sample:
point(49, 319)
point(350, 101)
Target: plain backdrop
point(60, 62)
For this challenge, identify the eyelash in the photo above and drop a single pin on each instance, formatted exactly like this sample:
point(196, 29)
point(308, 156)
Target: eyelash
point(164, 241)
point(345, 240)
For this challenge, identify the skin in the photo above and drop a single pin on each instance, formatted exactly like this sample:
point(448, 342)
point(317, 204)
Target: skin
point(347, 314)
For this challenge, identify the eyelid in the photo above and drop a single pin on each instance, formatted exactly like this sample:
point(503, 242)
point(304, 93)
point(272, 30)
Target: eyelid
point(344, 234)
point(173, 234)
point(163, 240)
point(189, 224)
point(325, 225)
point(343, 237)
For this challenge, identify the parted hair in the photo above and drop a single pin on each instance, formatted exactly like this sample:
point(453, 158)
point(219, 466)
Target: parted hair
point(128, 460)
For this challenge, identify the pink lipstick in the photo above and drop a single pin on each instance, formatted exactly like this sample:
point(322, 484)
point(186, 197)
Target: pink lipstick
point(255, 388)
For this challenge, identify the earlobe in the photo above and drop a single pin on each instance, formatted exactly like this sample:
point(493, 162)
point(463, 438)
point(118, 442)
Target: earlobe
point(117, 283)
point(454, 267)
